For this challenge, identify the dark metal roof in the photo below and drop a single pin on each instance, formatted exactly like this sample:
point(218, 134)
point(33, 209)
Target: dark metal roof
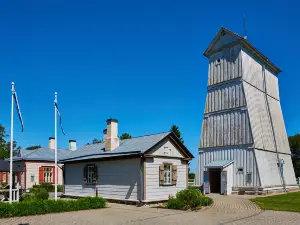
point(4, 166)
point(128, 147)
point(244, 43)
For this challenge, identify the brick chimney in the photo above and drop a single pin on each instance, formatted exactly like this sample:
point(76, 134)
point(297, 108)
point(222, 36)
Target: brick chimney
point(51, 144)
point(104, 134)
point(72, 145)
point(111, 138)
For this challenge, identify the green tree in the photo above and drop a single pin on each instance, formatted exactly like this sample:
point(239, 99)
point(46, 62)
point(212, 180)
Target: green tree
point(33, 147)
point(3, 135)
point(294, 142)
point(176, 131)
point(5, 146)
point(96, 141)
point(125, 136)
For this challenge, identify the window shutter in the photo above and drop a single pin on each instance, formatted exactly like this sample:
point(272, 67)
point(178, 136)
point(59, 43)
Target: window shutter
point(41, 175)
point(85, 174)
point(161, 174)
point(95, 178)
point(174, 174)
point(53, 174)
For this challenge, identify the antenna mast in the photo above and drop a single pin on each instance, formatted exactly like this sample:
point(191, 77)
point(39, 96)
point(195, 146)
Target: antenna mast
point(245, 27)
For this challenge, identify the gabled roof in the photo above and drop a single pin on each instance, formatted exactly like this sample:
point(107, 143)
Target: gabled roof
point(40, 154)
point(235, 38)
point(127, 147)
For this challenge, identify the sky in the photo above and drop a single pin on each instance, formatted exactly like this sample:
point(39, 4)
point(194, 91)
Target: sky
point(140, 62)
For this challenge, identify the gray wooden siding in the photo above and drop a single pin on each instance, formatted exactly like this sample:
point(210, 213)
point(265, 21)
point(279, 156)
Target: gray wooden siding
point(243, 157)
point(118, 179)
point(259, 118)
point(272, 84)
point(225, 65)
point(227, 128)
point(269, 171)
point(156, 192)
point(225, 97)
point(279, 126)
point(253, 74)
point(252, 70)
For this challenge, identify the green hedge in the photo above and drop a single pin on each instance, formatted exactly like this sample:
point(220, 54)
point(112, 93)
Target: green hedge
point(36, 207)
point(190, 198)
point(48, 187)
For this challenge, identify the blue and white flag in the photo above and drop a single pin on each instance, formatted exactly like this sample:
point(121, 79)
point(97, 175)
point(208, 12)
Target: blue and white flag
point(18, 109)
point(57, 110)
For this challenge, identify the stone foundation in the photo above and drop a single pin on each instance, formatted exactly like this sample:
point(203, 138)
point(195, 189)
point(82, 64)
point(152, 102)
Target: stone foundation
point(262, 190)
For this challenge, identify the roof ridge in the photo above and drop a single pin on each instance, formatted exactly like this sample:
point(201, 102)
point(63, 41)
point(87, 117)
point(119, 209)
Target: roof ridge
point(149, 135)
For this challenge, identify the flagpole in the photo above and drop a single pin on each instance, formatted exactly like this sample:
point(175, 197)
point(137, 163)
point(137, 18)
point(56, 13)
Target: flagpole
point(11, 141)
point(55, 136)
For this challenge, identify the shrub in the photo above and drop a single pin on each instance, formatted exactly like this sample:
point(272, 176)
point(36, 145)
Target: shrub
point(175, 203)
point(35, 194)
point(48, 187)
point(59, 188)
point(35, 207)
point(41, 194)
point(190, 198)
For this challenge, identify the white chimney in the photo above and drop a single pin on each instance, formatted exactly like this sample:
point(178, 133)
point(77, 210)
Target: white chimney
point(111, 139)
point(72, 145)
point(51, 144)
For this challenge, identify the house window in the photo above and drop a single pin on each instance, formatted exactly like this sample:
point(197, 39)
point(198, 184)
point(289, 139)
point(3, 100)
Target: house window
point(167, 174)
point(32, 178)
point(90, 174)
point(4, 178)
point(48, 173)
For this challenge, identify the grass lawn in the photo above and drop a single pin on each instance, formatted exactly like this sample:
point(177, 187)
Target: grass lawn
point(284, 202)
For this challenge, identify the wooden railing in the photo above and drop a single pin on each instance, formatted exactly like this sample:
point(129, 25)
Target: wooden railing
point(15, 194)
point(192, 182)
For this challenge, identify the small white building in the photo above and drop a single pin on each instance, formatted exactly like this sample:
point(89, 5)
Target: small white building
point(141, 169)
point(243, 138)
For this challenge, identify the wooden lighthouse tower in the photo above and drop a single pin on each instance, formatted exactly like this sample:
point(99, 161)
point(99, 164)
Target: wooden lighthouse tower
point(244, 144)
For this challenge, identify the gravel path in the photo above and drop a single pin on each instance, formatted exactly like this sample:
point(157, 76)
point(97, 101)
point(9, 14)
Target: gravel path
point(233, 210)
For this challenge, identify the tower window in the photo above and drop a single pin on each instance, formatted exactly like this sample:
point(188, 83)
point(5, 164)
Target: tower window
point(240, 170)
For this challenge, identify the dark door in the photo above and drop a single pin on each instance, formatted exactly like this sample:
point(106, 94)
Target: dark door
point(215, 180)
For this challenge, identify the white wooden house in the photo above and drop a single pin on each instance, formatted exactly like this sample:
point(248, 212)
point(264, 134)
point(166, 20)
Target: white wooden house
point(140, 169)
point(243, 138)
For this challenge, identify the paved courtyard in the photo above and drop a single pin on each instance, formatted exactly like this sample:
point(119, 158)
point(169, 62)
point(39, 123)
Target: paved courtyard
point(233, 210)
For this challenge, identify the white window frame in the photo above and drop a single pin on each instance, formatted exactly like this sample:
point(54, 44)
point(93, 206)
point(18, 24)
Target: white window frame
point(167, 174)
point(48, 174)
point(90, 174)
